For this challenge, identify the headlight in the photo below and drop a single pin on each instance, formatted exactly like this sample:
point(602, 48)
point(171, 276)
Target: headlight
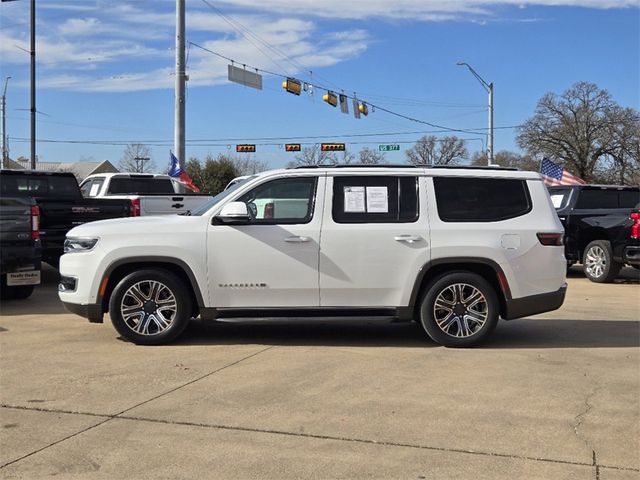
point(79, 244)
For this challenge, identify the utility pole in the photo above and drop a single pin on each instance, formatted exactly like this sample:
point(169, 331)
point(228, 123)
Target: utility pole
point(178, 140)
point(489, 89)
point(140, 163)
point(33, 84)
point(5, 150)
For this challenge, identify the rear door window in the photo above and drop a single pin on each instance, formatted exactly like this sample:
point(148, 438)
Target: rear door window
point(479, 199)
point(375, 199)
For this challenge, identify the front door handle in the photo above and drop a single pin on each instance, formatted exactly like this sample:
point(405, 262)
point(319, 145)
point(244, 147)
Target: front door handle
point(407, 238)
point(297, 239)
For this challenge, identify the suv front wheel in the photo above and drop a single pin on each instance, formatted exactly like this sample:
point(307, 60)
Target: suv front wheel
point(150, 307)
point(459, 309)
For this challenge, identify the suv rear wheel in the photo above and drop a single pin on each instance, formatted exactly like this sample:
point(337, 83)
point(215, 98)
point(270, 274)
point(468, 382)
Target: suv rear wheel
point(459, 309)
point(598, 264)
point(150, 307)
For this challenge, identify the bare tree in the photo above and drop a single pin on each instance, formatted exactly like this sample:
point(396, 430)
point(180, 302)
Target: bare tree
point(247, 165)
point(429, 150)
point(584, 130)
point(347, 158)
point(313, 156)
point(507, 158)
point(367, 156)
point(136, 158)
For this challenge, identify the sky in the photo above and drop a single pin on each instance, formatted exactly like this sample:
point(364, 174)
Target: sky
point(106, 71)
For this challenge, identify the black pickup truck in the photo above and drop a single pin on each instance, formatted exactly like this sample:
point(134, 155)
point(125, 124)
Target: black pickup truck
point(602, 227)
point(61, 205)
point(19, 247)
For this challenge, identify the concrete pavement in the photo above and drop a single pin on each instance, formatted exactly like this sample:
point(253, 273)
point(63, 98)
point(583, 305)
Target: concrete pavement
point(553, 396)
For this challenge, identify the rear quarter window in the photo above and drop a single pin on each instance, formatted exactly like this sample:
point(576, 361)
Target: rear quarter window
point(461, 199)
point(594, 199)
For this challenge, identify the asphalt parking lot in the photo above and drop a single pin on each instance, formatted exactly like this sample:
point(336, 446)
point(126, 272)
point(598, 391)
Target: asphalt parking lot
point(553, 396)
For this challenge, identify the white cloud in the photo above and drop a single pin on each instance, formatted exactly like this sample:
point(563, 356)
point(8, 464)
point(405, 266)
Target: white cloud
point(128, 45)
point(419, 10)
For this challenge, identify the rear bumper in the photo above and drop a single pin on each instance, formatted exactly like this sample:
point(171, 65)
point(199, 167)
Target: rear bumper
point(91, 311)
point(632, 255)
point(534, 304)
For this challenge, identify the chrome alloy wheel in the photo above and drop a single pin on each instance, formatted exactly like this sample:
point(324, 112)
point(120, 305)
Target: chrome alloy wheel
point(148, 307)
point(460, 310)
point(595, 261)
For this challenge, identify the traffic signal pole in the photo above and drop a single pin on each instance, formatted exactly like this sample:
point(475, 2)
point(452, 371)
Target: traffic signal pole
point(33, 84)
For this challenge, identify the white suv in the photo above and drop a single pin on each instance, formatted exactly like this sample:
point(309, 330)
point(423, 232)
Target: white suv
point(453, 248)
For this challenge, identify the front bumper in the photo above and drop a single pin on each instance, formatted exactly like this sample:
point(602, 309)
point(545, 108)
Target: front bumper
point(92, 311)
point(534, 304)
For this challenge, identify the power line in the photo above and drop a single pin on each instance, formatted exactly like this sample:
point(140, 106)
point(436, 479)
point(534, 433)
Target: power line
point(352, 97)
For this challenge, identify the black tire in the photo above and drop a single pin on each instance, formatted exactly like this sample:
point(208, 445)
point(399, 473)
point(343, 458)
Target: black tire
point(146, 316)
point(598, 264)
point(473, 314)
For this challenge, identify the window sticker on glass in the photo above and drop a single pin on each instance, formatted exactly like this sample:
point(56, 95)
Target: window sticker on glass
point(557, 199)
point(94, 189)
point(377, 200)
point(354, 199)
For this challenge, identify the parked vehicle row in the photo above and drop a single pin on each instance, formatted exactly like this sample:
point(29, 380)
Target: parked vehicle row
point(453, 248)
point(61, 205)
point(602, 225)
point(149, 194)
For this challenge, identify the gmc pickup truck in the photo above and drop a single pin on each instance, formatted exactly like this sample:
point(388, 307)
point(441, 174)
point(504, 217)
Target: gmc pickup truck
point(602, 227)
point(19, 247)
point(149, 194)
point(61, 205)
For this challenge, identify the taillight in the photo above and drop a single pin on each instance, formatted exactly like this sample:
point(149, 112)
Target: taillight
point(35, 223)
point(135, 207)
point(635, 228)
point(551, 239)
point(268, 210)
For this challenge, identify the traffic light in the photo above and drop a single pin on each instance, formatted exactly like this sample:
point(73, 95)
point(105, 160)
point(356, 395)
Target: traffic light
point(331, 98)
point(292, 147)
point(332, 147)
point(364, 110)
point(292, 85)
point(245, 148)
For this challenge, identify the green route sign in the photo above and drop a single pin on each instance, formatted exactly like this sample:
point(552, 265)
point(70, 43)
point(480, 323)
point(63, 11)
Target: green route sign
point(391, 147)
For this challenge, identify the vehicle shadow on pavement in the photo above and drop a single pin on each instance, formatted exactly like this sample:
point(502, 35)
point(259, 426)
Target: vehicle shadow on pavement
point(43, 301)
point(628, 275)
point(525, 333)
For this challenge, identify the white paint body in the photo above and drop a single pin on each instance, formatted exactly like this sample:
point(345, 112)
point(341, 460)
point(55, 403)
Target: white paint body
point(323, 263)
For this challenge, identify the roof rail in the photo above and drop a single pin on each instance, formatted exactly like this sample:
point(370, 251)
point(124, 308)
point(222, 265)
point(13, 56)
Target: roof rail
point(405, 165)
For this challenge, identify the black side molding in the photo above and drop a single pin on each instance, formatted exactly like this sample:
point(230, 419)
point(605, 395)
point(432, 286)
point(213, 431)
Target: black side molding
point(91, 311)
point(534, 304)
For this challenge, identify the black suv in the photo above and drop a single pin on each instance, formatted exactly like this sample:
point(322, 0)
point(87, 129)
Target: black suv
point(602, 227)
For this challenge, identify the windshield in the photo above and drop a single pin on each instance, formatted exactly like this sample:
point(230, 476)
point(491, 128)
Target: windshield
point(202, 209)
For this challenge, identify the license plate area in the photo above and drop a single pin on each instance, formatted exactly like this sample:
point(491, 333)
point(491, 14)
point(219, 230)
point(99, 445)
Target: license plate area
point(23, 278)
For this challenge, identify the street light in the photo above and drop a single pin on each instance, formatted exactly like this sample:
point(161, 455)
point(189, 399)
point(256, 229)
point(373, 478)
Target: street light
point(489, 89)
point(5, 151)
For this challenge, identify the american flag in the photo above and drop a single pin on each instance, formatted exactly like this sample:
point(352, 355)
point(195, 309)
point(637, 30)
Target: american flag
point(554, 174)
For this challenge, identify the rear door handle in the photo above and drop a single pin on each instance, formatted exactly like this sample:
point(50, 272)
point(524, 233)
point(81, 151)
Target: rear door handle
point(297, 239)
point(407, 238)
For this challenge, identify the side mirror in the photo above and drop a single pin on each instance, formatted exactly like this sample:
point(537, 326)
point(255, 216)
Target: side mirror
point(233, 212)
